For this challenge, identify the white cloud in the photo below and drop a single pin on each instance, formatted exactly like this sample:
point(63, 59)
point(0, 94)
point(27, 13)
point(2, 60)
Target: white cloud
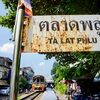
point(41, 64)
point(7, 48)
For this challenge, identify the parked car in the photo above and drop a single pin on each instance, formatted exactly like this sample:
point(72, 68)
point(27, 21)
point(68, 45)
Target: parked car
point(4, 90)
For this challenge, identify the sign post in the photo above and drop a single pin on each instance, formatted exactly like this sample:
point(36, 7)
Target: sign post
point(14, 85)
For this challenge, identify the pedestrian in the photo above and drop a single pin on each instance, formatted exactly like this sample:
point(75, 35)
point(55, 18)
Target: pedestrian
point(68, 94)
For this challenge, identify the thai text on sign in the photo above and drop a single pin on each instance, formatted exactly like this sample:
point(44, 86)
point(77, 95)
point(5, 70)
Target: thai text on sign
point(61, 33)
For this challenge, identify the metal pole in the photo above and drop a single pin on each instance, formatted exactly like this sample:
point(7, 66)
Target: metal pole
point(14, 29)
point(16, 56)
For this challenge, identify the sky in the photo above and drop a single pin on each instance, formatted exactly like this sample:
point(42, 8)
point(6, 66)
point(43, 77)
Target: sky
point(34, 60)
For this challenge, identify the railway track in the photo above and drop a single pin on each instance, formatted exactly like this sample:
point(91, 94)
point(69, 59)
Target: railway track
point(39, 96)
point(31, 96)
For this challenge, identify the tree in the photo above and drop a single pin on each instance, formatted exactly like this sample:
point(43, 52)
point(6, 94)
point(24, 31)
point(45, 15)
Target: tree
point(89, 63)
point(23, 83)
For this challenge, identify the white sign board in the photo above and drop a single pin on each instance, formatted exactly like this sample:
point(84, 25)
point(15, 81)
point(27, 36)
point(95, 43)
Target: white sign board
point(61, 33)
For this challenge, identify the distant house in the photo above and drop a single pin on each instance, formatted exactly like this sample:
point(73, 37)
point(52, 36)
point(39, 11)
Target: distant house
point(28, 73)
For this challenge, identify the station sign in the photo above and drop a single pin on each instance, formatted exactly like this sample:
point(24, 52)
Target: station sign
point(61, 33)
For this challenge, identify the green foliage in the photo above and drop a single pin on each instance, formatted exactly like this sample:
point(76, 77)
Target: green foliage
point(53, 71)
point(61, 88)
point(59, 72)
point(18, 98)
point(7, 20)
point(23, 82)
point(89, 63)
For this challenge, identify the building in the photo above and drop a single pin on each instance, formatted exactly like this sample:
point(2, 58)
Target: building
point(6, 62)
point(5, 67)
point(28, 73)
